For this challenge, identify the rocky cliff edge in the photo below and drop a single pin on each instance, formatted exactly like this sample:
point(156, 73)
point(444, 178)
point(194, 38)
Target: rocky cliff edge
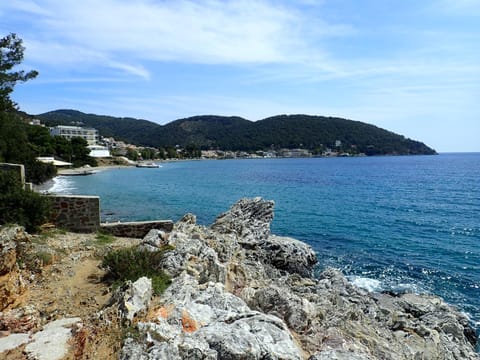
point(237, 292)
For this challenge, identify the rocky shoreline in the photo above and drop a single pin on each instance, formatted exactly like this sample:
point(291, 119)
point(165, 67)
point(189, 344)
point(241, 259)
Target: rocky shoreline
point(239, 292)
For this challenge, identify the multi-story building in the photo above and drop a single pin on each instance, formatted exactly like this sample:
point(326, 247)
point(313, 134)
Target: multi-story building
point(89, 134)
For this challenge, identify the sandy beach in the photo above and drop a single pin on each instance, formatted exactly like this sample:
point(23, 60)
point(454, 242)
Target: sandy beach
point(49, 184)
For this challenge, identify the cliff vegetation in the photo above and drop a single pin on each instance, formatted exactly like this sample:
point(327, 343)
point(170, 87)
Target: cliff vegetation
point(314, 133)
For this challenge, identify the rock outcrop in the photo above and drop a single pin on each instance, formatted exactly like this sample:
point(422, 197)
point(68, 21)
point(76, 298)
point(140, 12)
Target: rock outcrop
point(240, 293)
point(133, 298)
point(13, 241)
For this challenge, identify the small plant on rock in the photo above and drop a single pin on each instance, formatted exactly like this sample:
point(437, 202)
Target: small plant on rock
point(104, 239)
point(132, 263)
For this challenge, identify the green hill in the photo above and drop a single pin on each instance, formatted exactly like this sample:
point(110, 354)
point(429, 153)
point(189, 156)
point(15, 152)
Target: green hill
point(235, 133)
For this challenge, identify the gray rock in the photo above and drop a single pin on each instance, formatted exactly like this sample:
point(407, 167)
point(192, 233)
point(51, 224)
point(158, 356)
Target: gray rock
point(238, 291)
point(13, 341)
point(52, 342)
point(133, 298)
point(207, 322)
point(8, 247)
point(274, 300)
point(249, 219)
point(154, 240)
point(286, 254)
point(339, 355)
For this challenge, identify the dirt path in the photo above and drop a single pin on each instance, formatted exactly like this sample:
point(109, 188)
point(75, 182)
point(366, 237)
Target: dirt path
point(71, 286)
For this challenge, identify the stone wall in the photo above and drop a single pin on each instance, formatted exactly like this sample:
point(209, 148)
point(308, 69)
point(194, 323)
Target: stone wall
point(76, 213)
point(136, 229)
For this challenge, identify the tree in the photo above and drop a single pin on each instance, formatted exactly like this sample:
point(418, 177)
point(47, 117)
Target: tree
point(11, 54)
point(132, 154)
point(19, 206)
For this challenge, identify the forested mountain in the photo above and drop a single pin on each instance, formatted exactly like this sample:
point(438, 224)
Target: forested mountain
point(315, 133)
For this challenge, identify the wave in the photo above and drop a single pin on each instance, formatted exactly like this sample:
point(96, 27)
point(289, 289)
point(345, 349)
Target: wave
point(61, 185)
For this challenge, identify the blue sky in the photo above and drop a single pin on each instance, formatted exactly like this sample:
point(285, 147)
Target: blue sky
point(409, 66)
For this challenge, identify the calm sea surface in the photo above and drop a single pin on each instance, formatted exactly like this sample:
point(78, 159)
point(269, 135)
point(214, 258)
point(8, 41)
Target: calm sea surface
point(400, 223)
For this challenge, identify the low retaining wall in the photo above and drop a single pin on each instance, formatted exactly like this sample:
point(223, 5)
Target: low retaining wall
point(137, 229)
point(81, 214)
point(76, 213)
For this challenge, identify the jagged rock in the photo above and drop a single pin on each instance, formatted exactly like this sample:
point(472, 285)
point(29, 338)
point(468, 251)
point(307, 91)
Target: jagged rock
point(52, 342)
point(8, 249)
point(192, 253)
point(203, 321)
point(285, 253)
point(133, 298)
point(249, 219)
point(154, 240)
point(274, 300)
point(13, 242)
point(236, 288)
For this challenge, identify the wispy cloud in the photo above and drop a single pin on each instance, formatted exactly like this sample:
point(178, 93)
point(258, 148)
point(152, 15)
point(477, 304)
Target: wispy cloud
point(211, 32)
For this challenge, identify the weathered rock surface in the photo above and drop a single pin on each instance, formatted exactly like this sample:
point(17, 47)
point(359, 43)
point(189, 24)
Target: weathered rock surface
point(13, 341)
point(13, 241)
point(133, 298)
point(52, 342)
point(240, 293)
point(155, 238)
point(203, 321)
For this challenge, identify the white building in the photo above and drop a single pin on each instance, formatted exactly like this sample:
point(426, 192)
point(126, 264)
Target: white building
point(51, 160)
point(99, 151)
point(89, 134)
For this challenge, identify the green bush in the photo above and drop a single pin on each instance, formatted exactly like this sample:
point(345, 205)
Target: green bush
point(19, 206)
point(132, 263)
point(104, 239)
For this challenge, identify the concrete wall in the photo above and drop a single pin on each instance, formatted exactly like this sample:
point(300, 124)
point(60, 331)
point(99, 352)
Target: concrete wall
point(76, 213)
point(136, 229)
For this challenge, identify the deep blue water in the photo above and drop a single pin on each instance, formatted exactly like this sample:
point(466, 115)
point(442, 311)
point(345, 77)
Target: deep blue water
point(402, 223)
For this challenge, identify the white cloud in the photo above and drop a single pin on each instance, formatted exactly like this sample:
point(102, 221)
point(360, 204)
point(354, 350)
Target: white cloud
point(27, 6)
point(211, 31)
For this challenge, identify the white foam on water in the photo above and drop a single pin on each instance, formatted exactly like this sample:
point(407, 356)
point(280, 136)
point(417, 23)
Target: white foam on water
point(371, 285)
point(61, 185)
point(407, 288)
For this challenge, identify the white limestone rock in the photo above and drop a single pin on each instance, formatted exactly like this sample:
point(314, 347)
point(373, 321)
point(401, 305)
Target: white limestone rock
point(52, 342)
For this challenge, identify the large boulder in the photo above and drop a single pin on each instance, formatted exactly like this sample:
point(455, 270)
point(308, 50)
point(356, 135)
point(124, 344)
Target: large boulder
point(285, 254)
point(249, 219)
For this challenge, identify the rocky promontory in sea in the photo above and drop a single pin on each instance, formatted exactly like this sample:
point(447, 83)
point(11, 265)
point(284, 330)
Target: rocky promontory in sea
point(236, 292)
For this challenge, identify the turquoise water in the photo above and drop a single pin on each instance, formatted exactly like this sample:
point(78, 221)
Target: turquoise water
point(398, 223)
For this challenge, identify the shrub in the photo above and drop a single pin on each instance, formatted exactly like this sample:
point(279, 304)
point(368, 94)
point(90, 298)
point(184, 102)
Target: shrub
point(19, 206)
point(104, 239)
point(132, 263)
point(45, 257)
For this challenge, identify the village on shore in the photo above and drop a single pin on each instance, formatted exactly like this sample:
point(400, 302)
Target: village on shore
point(121, 153)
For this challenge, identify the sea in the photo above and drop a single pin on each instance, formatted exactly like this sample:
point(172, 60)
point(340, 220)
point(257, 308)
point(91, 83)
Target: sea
point(393, 223)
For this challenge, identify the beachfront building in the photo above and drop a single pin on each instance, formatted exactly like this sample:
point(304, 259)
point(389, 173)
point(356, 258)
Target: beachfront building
point(98, 151)
point(89, 134)
point(52, 160)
